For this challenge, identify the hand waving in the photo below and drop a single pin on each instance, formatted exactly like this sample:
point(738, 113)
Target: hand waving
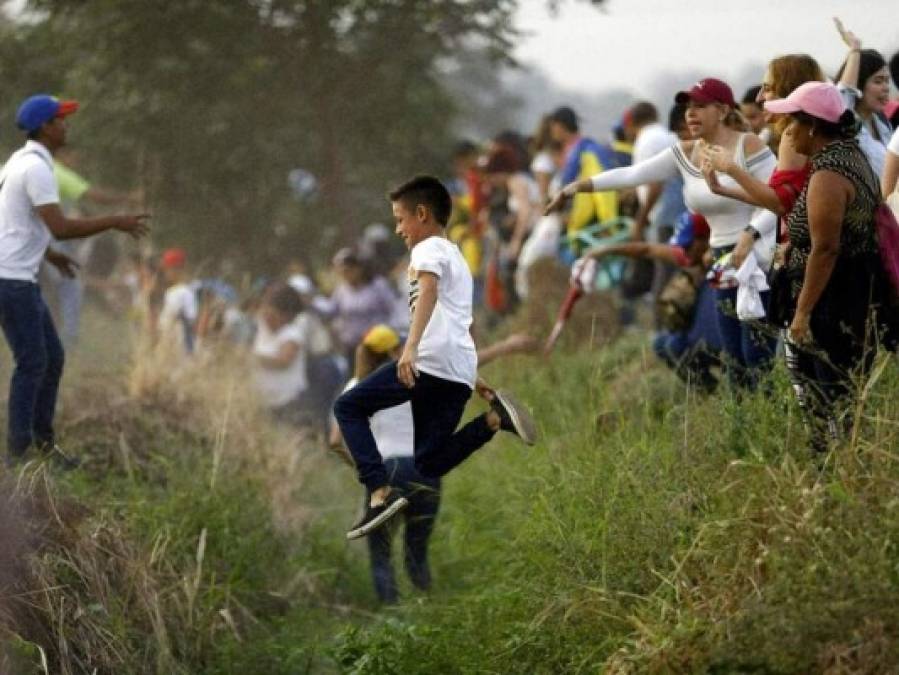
point(849, 38)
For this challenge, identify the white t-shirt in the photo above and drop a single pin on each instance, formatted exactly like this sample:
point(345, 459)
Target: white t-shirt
point(652, 139)
point(446, 349)
point(280, 387)
point(28, 182)
point(179, 304)
point(392, 428)
point(894, 143)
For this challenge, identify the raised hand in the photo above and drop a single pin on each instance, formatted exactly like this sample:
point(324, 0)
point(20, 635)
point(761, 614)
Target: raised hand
point(850, 39)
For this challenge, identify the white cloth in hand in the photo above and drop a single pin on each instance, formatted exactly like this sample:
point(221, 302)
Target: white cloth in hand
point(583, 274)
point(752, 282)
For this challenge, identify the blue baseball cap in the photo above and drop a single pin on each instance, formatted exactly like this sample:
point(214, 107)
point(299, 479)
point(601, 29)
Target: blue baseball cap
point(40, 109)
point(689, 227)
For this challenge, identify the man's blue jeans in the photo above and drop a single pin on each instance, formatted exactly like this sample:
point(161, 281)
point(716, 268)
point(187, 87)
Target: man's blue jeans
point(39, 357)
point(437, 407)
point(424, 501)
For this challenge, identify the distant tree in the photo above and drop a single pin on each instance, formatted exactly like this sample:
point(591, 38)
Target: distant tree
point(209, 104)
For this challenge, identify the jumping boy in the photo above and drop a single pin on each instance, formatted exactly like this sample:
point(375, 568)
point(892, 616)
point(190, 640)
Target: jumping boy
point(437, 371)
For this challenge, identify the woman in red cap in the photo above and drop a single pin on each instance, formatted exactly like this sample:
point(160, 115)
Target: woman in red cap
point(711, 118)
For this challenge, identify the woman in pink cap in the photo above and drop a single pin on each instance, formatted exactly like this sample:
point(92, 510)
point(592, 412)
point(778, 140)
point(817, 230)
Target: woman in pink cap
point(711, 119)
point(836, 278)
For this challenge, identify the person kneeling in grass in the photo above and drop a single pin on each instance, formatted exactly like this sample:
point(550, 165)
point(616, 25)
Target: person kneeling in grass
point(437, 370)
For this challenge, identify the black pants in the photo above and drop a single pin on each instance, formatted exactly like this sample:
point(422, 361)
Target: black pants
point(423, 494)
point(822, 379)
point(437, 407)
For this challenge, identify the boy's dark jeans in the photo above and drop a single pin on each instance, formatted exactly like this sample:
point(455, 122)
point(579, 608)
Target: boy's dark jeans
point(39, 358)
point(424, 501)
point(437, 407)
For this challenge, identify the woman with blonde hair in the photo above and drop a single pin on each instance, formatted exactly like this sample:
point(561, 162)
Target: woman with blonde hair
point(780, 192)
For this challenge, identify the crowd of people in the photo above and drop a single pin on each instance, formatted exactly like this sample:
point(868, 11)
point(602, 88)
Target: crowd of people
point(755, 226)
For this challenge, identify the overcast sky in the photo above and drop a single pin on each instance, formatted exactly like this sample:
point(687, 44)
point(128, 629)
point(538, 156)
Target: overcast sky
point(633, 41)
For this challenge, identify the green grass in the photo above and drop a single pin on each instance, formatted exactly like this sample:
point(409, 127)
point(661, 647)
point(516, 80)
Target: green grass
point(648, 531)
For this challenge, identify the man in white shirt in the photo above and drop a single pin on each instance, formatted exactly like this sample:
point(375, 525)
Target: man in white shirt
point(438, 368)
point(30, 215)
point(651, 139)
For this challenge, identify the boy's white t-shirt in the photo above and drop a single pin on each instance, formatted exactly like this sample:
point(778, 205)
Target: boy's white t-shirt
point(446, 349)
point(280, 387)
point(392, 428)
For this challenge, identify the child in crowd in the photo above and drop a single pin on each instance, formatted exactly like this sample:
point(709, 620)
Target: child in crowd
point(279, 349)
point(180, 309)
point(437, 370)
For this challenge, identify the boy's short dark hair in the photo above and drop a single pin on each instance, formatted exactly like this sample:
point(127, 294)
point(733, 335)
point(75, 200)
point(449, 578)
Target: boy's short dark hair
point(425, 191)
point(283, 298)
point(752, 96)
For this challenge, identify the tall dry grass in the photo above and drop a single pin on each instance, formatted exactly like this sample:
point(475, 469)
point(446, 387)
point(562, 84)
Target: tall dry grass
point(173, 538)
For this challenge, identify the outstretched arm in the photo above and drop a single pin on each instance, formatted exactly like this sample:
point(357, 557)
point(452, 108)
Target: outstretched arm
point(635, 249)
point(654, 170)
point(77, 228)
point(517, 343)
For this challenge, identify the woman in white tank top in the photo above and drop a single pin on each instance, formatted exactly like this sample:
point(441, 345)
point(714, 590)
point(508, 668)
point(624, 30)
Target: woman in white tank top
point(711, 119)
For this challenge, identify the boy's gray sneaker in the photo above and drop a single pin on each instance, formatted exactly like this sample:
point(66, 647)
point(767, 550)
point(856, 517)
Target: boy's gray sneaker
point(514, 417)
point(377, 516)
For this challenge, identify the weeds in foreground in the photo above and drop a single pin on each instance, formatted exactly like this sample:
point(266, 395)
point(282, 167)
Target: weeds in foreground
point(651, 530)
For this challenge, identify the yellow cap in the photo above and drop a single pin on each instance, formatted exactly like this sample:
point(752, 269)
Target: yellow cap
point(381, 339)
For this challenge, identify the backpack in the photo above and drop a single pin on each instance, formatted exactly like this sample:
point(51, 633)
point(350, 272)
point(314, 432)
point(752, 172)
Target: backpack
point(888, 242)
point(676, 304)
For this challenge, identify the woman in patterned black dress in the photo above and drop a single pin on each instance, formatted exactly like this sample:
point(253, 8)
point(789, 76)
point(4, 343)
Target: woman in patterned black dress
point(838, 285)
